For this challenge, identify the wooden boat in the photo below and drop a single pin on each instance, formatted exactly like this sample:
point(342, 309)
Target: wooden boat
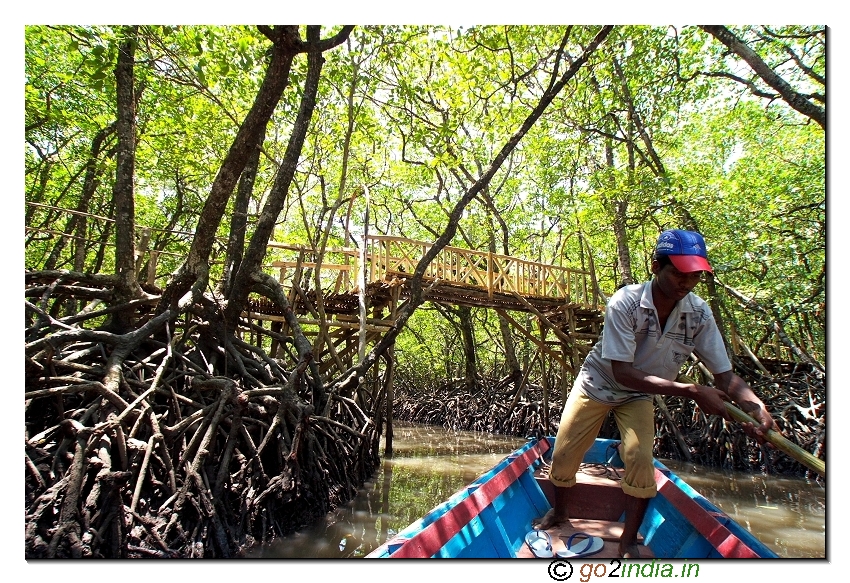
point(491, 517)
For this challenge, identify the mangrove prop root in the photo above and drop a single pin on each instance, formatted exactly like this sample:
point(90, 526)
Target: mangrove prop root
point(145, 444)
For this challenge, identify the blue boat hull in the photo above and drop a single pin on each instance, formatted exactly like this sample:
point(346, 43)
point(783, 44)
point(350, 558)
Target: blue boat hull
point(490, 517)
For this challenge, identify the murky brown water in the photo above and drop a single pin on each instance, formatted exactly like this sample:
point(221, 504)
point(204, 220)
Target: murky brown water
point(430, 464)
point(786, 514)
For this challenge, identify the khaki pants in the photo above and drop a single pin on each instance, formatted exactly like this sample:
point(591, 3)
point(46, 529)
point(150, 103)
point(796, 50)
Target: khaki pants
point(580, 423)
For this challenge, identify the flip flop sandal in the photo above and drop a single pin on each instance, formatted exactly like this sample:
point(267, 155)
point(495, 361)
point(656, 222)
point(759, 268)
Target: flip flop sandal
point(589, 546)
point(540, 543)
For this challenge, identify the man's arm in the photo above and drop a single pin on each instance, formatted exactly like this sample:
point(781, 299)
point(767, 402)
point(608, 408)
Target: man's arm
point(709, 399)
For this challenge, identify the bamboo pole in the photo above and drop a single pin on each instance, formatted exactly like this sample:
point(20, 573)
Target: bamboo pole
point(780, 442)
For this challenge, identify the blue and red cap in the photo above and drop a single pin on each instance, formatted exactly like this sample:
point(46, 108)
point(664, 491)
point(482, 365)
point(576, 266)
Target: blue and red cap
point(686, 250)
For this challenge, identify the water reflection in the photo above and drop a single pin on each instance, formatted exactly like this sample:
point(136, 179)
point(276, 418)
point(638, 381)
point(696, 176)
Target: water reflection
point(430, 464)
point(786, 514)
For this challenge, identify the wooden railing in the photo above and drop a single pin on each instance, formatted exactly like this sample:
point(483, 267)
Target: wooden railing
point(337, 272)
point(388, 257)
point(481, 269)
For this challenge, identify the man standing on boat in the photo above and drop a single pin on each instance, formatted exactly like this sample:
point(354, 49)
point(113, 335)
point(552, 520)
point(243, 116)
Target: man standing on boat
point(650, 331)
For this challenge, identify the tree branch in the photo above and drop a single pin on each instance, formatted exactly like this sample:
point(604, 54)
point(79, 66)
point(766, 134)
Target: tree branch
point(796, 100)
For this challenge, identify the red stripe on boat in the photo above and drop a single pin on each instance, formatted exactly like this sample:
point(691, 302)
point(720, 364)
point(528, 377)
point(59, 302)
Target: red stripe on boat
point(720, 537)
point(432, 538)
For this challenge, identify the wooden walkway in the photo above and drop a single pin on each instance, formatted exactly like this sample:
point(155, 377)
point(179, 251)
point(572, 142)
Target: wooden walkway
point(562, 300)
point(567, 298)
point(565, 303)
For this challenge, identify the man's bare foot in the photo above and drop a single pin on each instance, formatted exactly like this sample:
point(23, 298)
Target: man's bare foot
point(549, 520)
point(629, 551)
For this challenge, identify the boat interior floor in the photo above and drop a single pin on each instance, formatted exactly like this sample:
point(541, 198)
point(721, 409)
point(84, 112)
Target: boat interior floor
point(596, 506)
point(607, 530)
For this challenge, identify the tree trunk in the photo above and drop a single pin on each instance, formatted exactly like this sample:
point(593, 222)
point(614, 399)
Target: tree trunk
point(250, 269)
point(90, 184)
point(252, 262)
point(285, 45)
point(470, 366)
point(239, 220)
point(504, 327)
point(619, 208)
point(652, 158)
point(122, 190)
point(76, 223)
point(623, 258)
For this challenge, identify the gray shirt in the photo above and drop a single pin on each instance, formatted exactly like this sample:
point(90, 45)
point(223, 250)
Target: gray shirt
point(632, 334)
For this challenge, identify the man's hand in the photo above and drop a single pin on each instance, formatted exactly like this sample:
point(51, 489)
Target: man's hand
point(743, 395)
point(765, 422)
point(710, 400)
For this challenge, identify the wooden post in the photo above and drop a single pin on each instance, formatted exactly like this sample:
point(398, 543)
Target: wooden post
point(142, 248)
point(543, 380)
point(490, 275)
point(576, 357)
point(390, 374)
point(361, 284)
point(517, 267)
point(374, 262)
point(154, 258)
point(736, 349)
point(296, 283)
